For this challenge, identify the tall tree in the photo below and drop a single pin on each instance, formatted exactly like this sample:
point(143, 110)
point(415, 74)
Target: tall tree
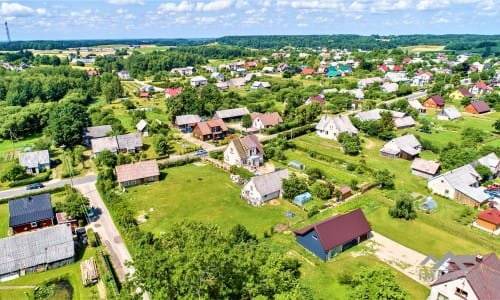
point(66, 123)
point(375, 282)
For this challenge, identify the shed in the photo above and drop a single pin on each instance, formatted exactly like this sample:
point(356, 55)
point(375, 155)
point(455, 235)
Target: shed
point(302, 198)
point(489, 219)
point(429, 205)
point(297, 165)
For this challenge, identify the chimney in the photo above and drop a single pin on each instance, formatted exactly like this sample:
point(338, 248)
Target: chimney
point(479, 258)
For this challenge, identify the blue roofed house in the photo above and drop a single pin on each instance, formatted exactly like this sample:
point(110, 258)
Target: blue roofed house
point(35, 161)
point(30, 213)
point(334, 235)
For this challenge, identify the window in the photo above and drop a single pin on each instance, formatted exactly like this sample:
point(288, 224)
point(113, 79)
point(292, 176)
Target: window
point(461, 293)
point(314, 236)
point(441, 297)
point(34, 224)
point(151, 179)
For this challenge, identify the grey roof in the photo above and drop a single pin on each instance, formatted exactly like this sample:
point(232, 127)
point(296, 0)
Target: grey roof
point(141, 125)
point(34, 248)
point(198, 79)
point(103, 143)
point(407, 143)
point(97, 131)
point(451, 112)
point(30, 209)
point(186, 119)
point(415, 104)
point(34, 159)
point(129, 141)
point(491, 161)
point(404, 122)
point(463, 180)
point(269, 183)
point(115, 143)
point(342, 123)
point(374, 114)
point(231, 113)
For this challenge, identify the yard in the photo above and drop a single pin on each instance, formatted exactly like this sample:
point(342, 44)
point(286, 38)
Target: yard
point(4, 220)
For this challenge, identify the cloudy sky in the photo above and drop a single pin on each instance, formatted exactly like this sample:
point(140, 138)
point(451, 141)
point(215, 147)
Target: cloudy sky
point(98, 19)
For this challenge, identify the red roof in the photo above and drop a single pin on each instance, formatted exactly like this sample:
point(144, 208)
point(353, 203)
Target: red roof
point(398, 68)
point(318, 98)
point(173, 91)
point(206, 127)
point(383, 68)
point(138, 170)
point(465, 92)
point(480, 106)
point(268, 119)
point(407, 60)
point(491, 215)
point(308, 71)
point(144, 95)
point(339, 229)
point(438, 99)
point(482, 86)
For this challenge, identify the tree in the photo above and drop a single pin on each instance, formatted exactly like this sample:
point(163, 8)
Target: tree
point(496, 125)
point(350, 143)
point(246, 121)
point(375, 282)
point(75, 205)
point(123, 159)
point(321, 190)
point(78, 154)
point(483, 171)
point(106, 158)
point(293, 186)
point(161, 144)
point(384, 178)
point(386, 126)
point(404, 208)
point(12, 172)
point(66, 123)
point(192, 260)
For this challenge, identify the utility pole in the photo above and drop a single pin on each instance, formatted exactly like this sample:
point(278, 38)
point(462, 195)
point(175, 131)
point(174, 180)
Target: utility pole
point(7, 31)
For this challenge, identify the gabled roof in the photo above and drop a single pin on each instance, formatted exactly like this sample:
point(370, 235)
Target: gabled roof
point(138, 170)
point(404, 122)
point(269, 183)
point(342, 123)
point(438, 99)
point(318, 98)
point(104, 143)
point(480, 106)
point(34, 159)
point(186, 119)
point(268, 119)
point(463, 180)
point(97, 131)
point(483, 277)
point(243, 144)
point(129, 141)
point(407, 143)
point(231, 113)
point(491, 215)
point(237, 82)
point(425, 166)
point(415, 104)
point(206, 127)
point(172, 92)
point(465, 92)
point(308, 71)
point(198, 78)
point(451, 112)
point(35, 248)
point(482, 86)
point(339, 229)
point(30, 209)
point(491, 161)
point(141, 125)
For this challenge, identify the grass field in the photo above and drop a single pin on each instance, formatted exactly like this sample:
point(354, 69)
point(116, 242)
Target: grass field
point(6, 145)
point(4, 220)
point(423, 48)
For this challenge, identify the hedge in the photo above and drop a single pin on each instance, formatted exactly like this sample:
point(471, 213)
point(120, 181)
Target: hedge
point(39, 178)
point(53, 190)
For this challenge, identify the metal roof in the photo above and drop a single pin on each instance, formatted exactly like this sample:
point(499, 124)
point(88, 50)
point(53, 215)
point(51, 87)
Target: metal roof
point(186, 119)
point(30, 209)
point(269, 183)
point(138, 170)
point(97, 131)
point(231, 113)
point(34, 159)
point(34, 248)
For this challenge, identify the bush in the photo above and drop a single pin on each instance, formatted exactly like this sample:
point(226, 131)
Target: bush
point(313, 211)
point(38, 178)
point(404, 208)
point(92, 237)
point(178, 163)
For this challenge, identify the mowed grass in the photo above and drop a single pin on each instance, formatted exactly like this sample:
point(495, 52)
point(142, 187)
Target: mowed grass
point(4, 220)
point(19, 145)
point(203, 193)
point(423, 48)
point(18, 294)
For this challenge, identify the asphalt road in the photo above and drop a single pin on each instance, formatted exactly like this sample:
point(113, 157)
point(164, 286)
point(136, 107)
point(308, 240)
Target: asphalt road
point(48, 185)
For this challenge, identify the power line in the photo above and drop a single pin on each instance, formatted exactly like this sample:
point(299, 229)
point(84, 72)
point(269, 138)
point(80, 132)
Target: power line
point(7, 31)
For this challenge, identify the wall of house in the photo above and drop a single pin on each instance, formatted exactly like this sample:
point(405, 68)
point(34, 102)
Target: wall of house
point(421, 174)
point(406, 156)
point(448, 289)
point(464, 199)
point(312, 244)
point(470, 109)
point(139, 181)
point(257, 123)
point(270, 196)
point(28, 227)
point(439, 186)
point(487, 225)
point(429, 103)
point(251, 194)
point(231, 156)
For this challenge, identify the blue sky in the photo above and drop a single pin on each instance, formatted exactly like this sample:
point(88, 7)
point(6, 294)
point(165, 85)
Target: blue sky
point(98, 19)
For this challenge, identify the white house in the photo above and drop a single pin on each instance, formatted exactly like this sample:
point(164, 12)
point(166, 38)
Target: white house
point(245, 151)
point(124, 75)
point(35, 161)
point(261, 189)
point(267, 120)
point(331, 127)
point(198, 81)
point(448, 113)
point(260, 85)
point(406, 146)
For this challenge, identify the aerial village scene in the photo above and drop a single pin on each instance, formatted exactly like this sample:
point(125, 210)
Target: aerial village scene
point(249, 150)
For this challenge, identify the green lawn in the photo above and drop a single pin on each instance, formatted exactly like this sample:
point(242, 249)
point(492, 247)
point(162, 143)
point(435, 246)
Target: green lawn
point(18, 294)
point(6, 144)
point(4, 220)
point(72, 271)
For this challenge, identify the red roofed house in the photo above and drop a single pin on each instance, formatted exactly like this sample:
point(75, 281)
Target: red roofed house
point(137, 173)
point(210, 130)
point(320, 99)
point(477, 107)
point(144, 95)
point(436, 102)
point(407, 60)
point(263, 121)
point(308, 71)
point(398, 68)
point(489, 219)
point(172, 92)
point(383, 68)
point(330, 237)
point(477, 280)
point(480, 88)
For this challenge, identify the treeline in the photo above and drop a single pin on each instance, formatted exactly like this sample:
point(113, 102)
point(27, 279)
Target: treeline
point(217, 52)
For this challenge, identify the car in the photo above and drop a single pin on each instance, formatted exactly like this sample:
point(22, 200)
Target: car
point(34, 186)
point(91, 212)
point(201, 152)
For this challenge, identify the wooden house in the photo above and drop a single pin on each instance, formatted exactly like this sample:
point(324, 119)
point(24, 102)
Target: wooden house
point(30, 213)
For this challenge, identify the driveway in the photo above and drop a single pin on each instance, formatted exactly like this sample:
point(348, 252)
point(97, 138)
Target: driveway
point(398, 256)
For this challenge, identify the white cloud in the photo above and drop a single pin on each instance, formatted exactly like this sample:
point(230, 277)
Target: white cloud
point(317, 4)
point(241, 4)
point(302, 25)
point(175, 7)
point(205, 20)
point(215, 5)
point(15, 10)
point(432, 4)
point(126, 2)
point(357, 6)
point(384, 6)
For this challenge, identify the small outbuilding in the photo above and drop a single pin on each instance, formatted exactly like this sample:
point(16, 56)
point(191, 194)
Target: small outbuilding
point(302, 198)
point(429, 205)
point(296, 165)
point(489, 219)
point(424, 168)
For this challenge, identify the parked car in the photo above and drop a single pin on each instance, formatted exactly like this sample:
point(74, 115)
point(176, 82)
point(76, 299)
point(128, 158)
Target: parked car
point(201, 152)
point(34, 186)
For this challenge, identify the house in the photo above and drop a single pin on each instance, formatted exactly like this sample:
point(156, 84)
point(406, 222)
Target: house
point(480, 88)
point(460, 184)
point(186, 123)
point(366, 82)
point(375, 114)
point(263, 188)
point(448, 113)
point(417, 105)
point(424, 168)
point(334, 235)
point(268, 69)
point(137, 173)
point(198, 81)
point(490, 161)
point(130, 143)
point(124, 75)
point(320, 99)
point(421, 78)
point(390, 87)
point(95, 132)
point(217, 76)
point(260, 85)
point(345, 192)
point(233, 114)
point(141, 127)
point(44, 249)
point(30, 213)
point(35, 161)
point(434, 102)
point(331, 127)
point(222, 86)
point(332, 72)
point(489, 219)
point(172, 92)
point(472, 281)
point(237, 82)
point(404, 122)
point(144, 95)
point(396, 77)
point(62, 218)
point(307, 71)
point(477, 107)
point(461, 93)
point(432, 269)
point(147, 88)
point(244, 151)
point(406, 147)
point(211, 130)
point(267, 120)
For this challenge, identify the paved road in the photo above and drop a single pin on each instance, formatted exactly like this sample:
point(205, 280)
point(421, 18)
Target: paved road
point(104, 226)
point(54, 183)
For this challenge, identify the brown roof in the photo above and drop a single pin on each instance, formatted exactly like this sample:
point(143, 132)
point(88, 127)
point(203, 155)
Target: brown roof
point(491, 215)
point(345, 189)
point(268, 119)
point(425, 166)
point(481, 85)
point(339, 229)
point(438, 99)
point(308, 71)
point(133, 171)
point(465, 92)
point(206, 127)
point(480, 106)
point(484, 277)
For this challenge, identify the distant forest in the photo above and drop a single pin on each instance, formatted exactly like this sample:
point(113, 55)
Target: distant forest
point(465, 42)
